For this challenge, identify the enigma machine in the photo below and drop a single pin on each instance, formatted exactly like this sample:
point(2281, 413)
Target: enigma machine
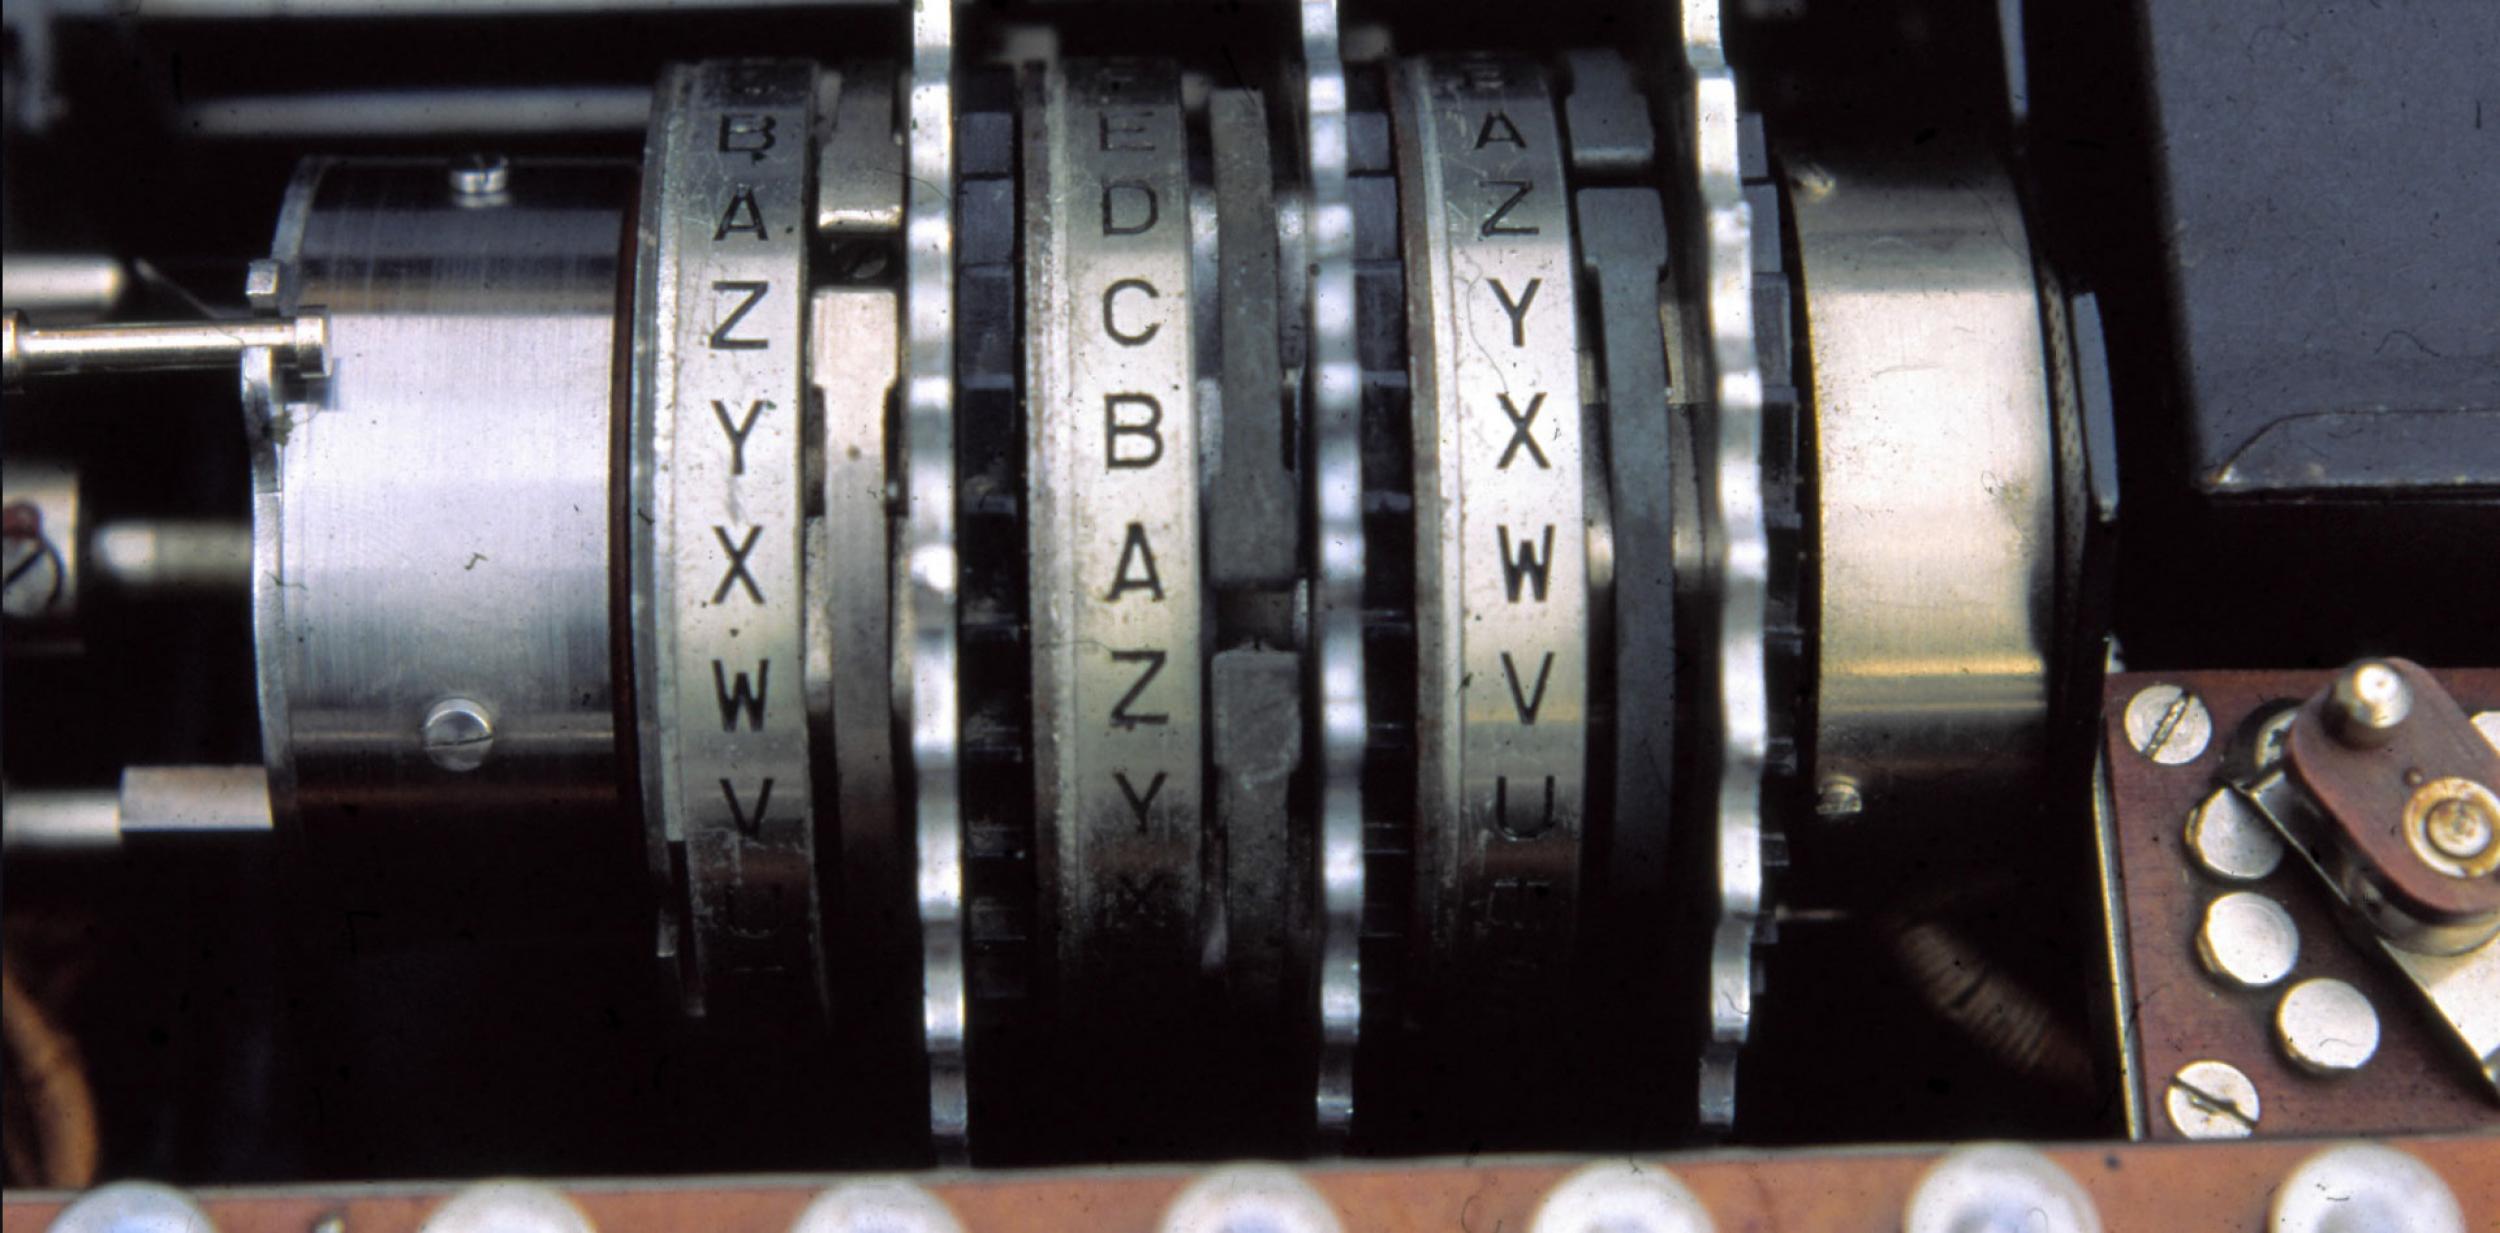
point(1276, 616)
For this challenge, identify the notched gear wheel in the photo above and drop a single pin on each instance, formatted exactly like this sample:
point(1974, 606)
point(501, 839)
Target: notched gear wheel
point(1271, 615)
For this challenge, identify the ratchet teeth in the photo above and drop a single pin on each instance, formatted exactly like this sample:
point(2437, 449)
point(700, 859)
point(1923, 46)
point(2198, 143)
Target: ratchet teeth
point(1240, 597)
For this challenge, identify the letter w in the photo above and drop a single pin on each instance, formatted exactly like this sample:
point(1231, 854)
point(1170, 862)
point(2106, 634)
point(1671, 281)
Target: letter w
point(1527, 561)
point(734, 699)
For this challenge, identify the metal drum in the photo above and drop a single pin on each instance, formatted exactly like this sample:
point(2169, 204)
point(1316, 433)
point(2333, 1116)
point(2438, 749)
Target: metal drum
point(431, 521)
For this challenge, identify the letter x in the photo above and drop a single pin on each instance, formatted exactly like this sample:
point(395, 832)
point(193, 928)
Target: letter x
point(1519, 421)
point(738, 575)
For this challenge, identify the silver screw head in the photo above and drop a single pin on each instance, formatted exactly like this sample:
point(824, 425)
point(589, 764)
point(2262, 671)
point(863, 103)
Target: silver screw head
point(2168, 724)
point(1838, 797)
point(37, 580)
point(2212, 1100)
point(480, 176)
point(1620, 1196)
point(507, 1207)
point(458, 734)
point(877, 1206)
point(2366, 1188)
point(2248, 940)
point(2368, 703)
point(2231, 841)
point(1999, 1188)
point(132, 1207)
point(1250, 1199)
point(2326, 1027)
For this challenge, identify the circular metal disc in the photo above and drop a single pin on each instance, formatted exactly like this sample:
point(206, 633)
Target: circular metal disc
point(1621, 1197)
point(1999, 1188)
point(2366, 1188)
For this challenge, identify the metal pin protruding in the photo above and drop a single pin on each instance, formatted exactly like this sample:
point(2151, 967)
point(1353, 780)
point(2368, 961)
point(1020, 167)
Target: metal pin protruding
point(300, 343)
point(2368, 703)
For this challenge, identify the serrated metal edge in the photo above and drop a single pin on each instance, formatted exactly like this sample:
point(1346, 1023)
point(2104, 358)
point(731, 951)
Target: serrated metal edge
point(1738, 548)
point(1336, 406)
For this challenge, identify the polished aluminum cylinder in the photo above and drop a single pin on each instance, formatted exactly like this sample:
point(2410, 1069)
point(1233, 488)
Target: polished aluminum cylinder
point(60, 822)
point(152, 801)
point(62, 286)
point(419, 114)
point(1937, 479)
point(432, 523)
point(173, 558)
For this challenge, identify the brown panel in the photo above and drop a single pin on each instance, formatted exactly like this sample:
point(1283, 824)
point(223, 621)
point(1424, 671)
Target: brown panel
point(2420, 1079)
point(2211, 1188)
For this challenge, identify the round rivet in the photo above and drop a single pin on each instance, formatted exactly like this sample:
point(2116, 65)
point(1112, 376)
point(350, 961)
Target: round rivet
point(881, 1206)
point(1620, 1196)
point(132, 1207)
point(2231, 841)
point(2326, 1027)
point(2212, 1100)
point(1250, 1199)
point(2453, 824)
point(508, 1207)
point(2248, 939)
point(458, 734)
point(1999, 1188)
point(2459, 833)
point(2363, 1188)
point(2168, 724)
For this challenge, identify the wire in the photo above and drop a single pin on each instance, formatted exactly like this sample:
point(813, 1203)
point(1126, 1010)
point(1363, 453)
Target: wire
point(50, 1081)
